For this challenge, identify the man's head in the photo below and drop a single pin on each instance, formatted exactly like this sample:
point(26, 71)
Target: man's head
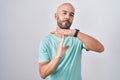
point(64, 15)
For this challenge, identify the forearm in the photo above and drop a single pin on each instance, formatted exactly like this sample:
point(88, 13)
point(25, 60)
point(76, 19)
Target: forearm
point(49, 68)
point(90, 42)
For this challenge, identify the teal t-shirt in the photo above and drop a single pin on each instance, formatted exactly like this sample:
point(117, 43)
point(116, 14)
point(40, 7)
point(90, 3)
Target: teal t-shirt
point(69, 67)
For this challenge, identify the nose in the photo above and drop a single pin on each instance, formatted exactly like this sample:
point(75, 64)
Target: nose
point(67, 16)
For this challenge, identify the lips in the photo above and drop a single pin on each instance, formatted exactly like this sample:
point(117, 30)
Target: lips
point(66, 21)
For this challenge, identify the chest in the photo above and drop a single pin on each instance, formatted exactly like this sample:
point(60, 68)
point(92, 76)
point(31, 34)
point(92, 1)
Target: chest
point(74, 47)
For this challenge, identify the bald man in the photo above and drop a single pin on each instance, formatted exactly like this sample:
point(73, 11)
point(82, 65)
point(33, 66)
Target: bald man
point(60, 52)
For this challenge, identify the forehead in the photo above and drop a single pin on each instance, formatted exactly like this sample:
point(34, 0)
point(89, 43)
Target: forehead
point(66, 7)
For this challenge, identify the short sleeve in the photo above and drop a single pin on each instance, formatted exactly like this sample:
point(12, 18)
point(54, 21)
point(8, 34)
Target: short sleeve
point(43, 53)
point(85, 47)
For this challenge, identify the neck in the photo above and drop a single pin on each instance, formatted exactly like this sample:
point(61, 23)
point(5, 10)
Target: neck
point(58, 29)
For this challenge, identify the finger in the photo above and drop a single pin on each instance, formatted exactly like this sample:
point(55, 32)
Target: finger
point(54, 32)
point(62, 40)
point(65, 32)
point(67, 47)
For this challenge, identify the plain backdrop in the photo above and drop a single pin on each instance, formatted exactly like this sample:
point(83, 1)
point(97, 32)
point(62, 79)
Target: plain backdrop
point(24, 23)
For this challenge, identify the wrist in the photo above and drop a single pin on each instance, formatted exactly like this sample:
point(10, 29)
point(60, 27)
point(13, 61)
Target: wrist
point(76, 32)
point(58, 57)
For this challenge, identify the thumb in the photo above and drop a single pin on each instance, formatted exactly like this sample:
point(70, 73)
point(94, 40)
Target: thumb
point(66, 47)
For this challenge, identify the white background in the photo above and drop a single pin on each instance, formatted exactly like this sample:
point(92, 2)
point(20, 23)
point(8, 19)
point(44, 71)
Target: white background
point(23, 23)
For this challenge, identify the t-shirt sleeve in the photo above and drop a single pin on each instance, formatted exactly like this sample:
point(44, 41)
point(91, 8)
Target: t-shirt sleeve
point(85, 47)
point(43, 53)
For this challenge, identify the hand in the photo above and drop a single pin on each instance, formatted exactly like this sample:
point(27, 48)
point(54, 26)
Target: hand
point(61, 50)
point(66, 32)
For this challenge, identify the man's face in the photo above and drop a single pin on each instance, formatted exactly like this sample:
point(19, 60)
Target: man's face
point(64, 16)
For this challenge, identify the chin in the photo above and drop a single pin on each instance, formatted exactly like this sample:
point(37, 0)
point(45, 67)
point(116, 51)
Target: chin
point(65, 27)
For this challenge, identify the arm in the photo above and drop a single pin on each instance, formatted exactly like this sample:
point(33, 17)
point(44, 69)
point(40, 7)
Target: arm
point(46, 68)
point(89, 42)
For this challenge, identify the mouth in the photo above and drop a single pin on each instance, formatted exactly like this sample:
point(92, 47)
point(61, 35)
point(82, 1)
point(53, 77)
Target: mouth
point(67, 23)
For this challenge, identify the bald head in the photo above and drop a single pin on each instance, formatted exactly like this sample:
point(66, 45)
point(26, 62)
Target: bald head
point(66, 5)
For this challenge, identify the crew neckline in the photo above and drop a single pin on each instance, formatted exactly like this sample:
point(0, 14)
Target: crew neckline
point(58, 38)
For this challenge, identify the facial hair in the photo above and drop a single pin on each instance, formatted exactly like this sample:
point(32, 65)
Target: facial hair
point(63, 24)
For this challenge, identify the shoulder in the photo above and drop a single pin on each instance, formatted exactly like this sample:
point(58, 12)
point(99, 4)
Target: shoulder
point(47, 38)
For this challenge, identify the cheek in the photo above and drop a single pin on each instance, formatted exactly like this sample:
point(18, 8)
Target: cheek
point(61, 18)
point(71, 20)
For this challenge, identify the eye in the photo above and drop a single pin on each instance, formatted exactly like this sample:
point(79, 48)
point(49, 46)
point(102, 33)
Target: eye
point(64, 13)
point(71, 14)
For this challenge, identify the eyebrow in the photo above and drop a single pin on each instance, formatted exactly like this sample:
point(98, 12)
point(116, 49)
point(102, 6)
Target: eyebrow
point(67, 11)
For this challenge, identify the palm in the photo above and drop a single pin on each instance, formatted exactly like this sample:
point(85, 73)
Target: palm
point(61, 49)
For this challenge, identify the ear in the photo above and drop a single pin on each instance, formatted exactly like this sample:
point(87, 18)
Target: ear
point(56, 15)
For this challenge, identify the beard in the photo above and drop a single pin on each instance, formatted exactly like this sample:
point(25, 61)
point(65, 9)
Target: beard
point(64, 24)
